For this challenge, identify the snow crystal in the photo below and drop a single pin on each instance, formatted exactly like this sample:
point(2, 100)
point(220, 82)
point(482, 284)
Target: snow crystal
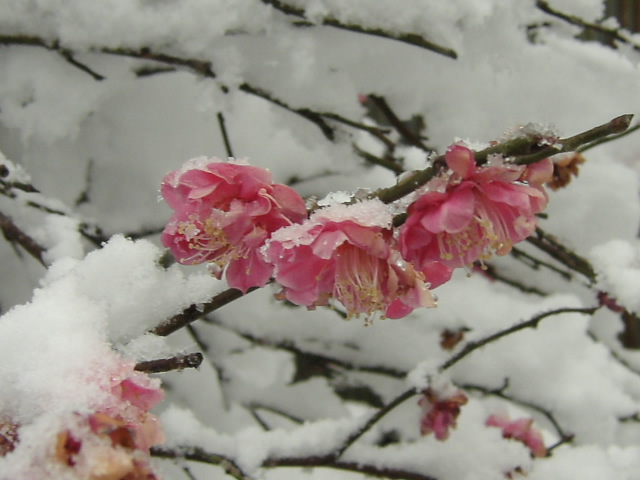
point(335, 198)
point(133, 290)
point(368, 213)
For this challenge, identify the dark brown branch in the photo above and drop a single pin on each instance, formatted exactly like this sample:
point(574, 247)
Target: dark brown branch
point(615, 355)
point(52, 46)
point(316, 358)
point(375, 418)
point(536, 263)
point(203, 68)
point(225, 135)
point(180, 362)
point(389, 164)
point(500, 392)
point(68, 56)
point(327, 130)
point(613, 33)
point(464, 352)
point(409, 136)
point(533, 322)
point(197, 454)
point(194, 312)
point(493, 273)
point(14, 235)
point(359, 467)
point(551, 246)
point(408, 38)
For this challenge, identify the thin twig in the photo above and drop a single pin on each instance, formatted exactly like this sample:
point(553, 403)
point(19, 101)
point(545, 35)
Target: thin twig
point(15, 235)
point(464, 352)
point(55, 46)
point(197, 454)
point(533, 322)
point(409, 136)
point(536, 263)
point(389, 164)
point(550, 245)
point(614, 33)
point(494, 274)
point(327, 130)
point(615, 355)
point(357, 467)
point(566, 437)
point(225, 135)
point(525, 150)
point(375, 418)
point(610, 138)
point(408, 38)
point(179, 362)
point(69, 57)
point(571, 144)
point(194, 312)
point(316, 358)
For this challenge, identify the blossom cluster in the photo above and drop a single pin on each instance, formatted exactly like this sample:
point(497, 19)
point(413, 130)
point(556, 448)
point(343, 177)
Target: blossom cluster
point(232, 216)
point(110, 441)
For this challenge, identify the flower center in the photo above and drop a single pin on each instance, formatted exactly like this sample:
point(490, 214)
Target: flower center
point(209, 241)
point(358, 280)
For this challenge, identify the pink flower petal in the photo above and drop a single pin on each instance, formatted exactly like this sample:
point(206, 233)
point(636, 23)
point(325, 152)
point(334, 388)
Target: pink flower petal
point(461, 160)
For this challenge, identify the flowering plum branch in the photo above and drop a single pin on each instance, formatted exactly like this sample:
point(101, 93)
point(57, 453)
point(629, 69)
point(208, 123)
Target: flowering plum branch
point(525, 149)
point(461, 354)
point(365, 254)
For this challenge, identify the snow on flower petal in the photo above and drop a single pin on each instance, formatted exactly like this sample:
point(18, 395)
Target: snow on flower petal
point(521, 430)
point(440, 411)
point(483, 210)
point(224, 212)
point(345, 252)
point(108, 439)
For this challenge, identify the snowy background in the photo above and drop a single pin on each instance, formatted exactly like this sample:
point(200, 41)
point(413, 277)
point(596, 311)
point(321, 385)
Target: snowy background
point(99, 100)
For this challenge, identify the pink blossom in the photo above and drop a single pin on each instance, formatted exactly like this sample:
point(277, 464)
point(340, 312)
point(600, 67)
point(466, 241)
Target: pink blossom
point(521, 430)
point(224, 213)
point(113, 441)
point(440, 411)
point(133, 394)
point(482, 210)
point(345, 253)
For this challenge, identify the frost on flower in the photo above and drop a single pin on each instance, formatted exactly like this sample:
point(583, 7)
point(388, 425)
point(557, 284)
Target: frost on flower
point(521, 430)
point(440, 411)
point(224, 213)
point(482, 210)
point(345, 252)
